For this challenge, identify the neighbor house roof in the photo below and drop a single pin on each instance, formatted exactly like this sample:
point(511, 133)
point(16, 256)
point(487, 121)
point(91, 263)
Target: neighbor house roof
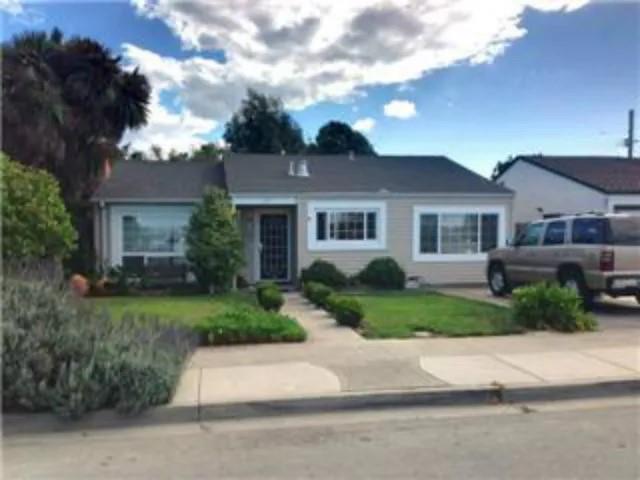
point(158, 181)
point(607, 174)
point(268, 174)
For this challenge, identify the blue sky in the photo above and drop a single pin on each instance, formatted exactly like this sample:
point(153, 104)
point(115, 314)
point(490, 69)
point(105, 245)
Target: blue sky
point(550, 76)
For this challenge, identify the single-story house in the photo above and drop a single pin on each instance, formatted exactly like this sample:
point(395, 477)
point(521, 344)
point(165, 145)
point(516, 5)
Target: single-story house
point(547, 186)
point(435, 217)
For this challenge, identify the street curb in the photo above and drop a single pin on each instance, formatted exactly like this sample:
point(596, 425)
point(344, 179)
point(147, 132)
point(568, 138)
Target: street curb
point(432, 397)
point(23, 424)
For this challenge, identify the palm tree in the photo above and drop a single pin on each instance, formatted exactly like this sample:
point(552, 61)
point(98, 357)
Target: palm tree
point(66, 106)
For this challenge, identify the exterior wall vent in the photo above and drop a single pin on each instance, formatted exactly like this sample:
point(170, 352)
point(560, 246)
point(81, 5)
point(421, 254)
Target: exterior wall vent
point(303, 168)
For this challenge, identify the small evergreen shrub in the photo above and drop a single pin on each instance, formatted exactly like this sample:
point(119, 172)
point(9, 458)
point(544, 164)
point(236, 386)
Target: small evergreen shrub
point(59, 354)
point(318, 293)
point(248, 325)
point(270, 297)
point(324, 272)
point(545, 305)
point(384, 273)
point(348, 311)
point(213, 240)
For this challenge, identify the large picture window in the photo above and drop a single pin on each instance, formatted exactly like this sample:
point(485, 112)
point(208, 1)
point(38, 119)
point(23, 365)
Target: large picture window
point(455, 233)
point(357, 225)
point(150, 236)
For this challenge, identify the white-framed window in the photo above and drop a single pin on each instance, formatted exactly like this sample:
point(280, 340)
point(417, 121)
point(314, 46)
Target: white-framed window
point(348, 225)
point(147, 235)
point(456, 233)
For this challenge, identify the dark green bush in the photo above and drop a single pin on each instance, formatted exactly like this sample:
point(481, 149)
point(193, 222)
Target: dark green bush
point(270, 297)
point(383, 273)
point(248, 325)
point(324, 272)
point(318, 293)
point(348, 311)
point(551, 306)
point(60, 354)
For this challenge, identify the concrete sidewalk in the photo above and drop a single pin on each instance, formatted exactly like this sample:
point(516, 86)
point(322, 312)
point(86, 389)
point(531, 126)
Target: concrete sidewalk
point(337, 361)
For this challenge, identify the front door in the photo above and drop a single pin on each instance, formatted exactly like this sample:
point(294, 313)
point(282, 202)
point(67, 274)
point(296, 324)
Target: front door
point(274, 246)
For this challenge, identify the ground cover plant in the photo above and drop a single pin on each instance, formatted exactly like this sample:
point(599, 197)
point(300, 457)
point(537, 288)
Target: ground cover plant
point(243, 324)
point(61, 354)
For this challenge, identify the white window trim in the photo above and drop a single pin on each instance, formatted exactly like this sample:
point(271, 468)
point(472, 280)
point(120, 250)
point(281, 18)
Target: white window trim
point(119, 212)
point(346, 245)
point(455, 257)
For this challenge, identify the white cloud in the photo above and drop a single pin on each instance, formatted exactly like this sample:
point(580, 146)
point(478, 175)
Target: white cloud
point(321, 50)
point(180, 131)
point(364, 125)
point(400, 109)
point(12, 7)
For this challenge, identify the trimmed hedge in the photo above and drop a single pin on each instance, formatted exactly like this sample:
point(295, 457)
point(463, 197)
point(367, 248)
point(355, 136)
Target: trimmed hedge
point(317, 293)
point(384, 273)
point(321, 271)
point(545, 305)
point(348, 311)
point(248, 325)
point(269, 296)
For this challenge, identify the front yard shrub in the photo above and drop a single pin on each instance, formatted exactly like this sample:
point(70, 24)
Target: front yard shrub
point(270, 297)
point(348, 311)
point(214, 243)
point(545, 305)
point(60, 354)
point(318, 293)
point(324, 272)
point(384, 273)
point(35, 221)
point(248, 325)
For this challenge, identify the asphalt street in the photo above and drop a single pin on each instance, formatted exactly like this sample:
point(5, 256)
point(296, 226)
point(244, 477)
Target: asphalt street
point(570, 440)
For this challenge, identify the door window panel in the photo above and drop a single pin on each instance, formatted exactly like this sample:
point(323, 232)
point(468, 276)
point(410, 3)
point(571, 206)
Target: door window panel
point(531, 236)
point(554, 234)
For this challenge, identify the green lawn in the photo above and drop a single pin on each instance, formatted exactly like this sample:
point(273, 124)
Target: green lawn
point(400, 314)
point(178, 309)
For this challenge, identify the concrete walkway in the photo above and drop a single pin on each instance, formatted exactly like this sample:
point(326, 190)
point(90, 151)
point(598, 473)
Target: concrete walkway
point(337, 360)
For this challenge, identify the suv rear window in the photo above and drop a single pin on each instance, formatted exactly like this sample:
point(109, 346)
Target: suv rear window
point(625, 231)
point(590, 231)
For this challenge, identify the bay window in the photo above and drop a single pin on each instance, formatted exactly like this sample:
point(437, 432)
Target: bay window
point(346, 225)
point(456, 233)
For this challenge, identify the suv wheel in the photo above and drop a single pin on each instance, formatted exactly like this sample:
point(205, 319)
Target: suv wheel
point(574, 280)
point(498, 282)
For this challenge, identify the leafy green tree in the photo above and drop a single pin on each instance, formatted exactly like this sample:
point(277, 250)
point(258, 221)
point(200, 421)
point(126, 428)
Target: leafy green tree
point(35, 222)
point(338, 137)
point(207, 151)
point(214, 244)
point(262, 126)
point(502, 167)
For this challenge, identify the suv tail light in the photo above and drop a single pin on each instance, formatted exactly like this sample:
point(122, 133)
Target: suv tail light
point(607, 261)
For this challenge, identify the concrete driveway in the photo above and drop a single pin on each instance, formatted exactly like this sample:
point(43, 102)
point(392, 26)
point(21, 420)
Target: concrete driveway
point(612, 313)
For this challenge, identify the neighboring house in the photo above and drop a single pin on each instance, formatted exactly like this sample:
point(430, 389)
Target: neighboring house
point(436, 218)
point(547, 186)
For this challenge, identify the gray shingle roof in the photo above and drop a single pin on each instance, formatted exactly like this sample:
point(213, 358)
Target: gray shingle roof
point(607, 174)
point(146, 181)
point(339, 174)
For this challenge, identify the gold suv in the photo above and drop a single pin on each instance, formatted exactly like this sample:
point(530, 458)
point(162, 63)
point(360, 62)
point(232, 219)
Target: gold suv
point(589, 253)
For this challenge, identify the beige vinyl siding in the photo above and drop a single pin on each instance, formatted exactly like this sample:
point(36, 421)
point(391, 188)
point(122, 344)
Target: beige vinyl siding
point(399, 243)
